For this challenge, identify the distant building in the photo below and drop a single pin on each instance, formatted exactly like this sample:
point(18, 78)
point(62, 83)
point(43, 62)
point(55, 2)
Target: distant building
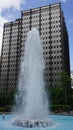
point(71, 79)
point(49, 20)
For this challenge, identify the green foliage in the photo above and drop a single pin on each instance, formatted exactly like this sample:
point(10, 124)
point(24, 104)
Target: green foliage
point(60, 107)
point(57, 95)
point(65, 79)
point(10, 97)
point(71, 98)
point(7, 100)
point(57, 98)
point(6, 109)
point(66, 85)
point(2, 99)
point(2, 109)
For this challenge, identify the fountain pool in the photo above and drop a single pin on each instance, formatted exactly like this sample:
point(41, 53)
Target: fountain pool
point(62, 123)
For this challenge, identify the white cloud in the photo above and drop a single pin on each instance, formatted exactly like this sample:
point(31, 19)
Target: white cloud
point(5, 4)
point(2, 21)
point(8, 4)
point(64, 1)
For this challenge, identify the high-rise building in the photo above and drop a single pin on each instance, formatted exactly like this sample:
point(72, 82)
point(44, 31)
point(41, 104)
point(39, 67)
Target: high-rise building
point(49, 20)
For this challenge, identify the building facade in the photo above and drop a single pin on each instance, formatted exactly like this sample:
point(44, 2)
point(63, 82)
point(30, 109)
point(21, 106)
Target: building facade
point(49, 20)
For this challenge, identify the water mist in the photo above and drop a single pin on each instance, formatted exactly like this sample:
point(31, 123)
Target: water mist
point(31, 98)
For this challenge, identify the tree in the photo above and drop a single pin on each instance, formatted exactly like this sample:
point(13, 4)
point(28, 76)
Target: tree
point(2, 99)
point(7, 98)
point(57, 95)
point(66, 85)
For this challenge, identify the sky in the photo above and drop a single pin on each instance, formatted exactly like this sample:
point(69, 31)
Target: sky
point(11, 9)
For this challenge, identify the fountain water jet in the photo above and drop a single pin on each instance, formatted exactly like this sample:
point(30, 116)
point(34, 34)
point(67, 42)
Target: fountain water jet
point(31, 97)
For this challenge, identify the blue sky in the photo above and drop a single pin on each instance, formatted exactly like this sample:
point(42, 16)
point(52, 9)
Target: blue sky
point(10, 10)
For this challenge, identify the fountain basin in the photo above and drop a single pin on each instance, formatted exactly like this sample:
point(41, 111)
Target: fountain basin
point(62, 123)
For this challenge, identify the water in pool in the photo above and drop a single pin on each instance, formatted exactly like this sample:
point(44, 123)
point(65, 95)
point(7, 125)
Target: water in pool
point(62, 123)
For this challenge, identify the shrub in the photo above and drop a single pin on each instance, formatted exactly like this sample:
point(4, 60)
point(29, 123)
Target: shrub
point(2, 109)
point(60, 107)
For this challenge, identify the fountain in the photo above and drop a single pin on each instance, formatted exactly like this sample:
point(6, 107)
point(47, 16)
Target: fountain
point(31, 100)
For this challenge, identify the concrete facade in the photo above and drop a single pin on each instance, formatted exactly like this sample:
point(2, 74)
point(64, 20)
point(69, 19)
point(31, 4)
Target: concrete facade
point(49, 20)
